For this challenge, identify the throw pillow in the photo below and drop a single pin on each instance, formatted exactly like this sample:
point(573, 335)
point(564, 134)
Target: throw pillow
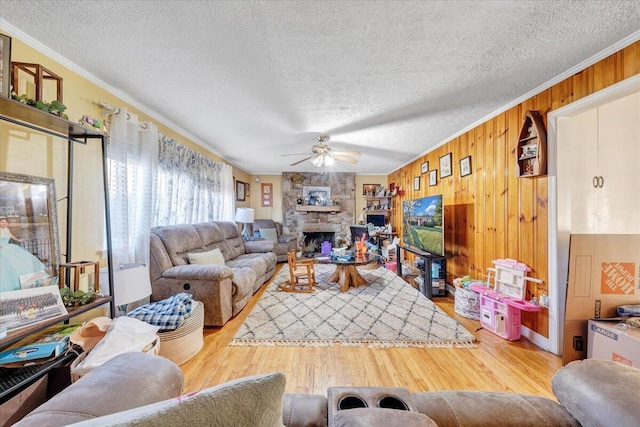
point(250, 401)
point(269, 234)
point(210, 257)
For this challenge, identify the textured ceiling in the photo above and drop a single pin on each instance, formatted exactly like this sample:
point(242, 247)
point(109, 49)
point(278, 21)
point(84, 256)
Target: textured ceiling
point(253, 80)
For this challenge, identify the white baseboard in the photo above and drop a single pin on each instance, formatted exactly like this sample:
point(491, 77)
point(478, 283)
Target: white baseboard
point(535, 338)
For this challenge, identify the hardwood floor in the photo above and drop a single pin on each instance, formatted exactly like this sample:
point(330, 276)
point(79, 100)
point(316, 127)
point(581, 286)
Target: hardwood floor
point(495, 364)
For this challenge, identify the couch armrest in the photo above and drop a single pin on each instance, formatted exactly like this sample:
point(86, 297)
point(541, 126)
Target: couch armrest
point(124, 382)
point(286, 238)
point(259, 246)
point(304, 410)
point(599, 392)
point(198, 272)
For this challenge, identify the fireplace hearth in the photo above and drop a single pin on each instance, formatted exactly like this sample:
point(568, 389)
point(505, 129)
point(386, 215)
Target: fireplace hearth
point(313, 241)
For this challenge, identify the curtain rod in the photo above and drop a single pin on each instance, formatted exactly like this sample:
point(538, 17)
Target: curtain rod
point(115, 110)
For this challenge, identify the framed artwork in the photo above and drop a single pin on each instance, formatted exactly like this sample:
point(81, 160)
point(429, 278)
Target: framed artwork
point(28, 232)
point(5, 66)
point(433, 177)
point(465, 166)
point(266, 192)
point(370, 189)
point(247, 193)
point(445, 166)
point(416, 183)
point(316, 196)
point(424, 167)
point(240, 191)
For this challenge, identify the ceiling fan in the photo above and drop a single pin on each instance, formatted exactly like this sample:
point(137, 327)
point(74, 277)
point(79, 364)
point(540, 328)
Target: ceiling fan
point(321, 154)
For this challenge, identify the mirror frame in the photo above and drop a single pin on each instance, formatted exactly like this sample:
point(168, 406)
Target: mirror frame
point(13, 182)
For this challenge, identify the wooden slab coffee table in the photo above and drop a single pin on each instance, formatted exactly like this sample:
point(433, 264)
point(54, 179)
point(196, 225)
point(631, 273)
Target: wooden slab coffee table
point(346, 273)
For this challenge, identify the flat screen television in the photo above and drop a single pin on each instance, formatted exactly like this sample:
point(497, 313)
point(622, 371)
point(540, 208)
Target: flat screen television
point(422, 224)
point(376, 219)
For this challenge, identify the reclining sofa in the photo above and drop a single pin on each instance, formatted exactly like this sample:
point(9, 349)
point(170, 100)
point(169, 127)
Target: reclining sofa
point(590, 393)
point(224, 289)
point(285, 242)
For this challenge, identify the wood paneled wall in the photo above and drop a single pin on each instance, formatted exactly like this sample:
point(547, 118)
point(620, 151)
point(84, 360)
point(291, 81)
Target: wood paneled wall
point(492, 214)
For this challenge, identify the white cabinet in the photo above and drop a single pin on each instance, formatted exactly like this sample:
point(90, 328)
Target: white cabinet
point(599, 154)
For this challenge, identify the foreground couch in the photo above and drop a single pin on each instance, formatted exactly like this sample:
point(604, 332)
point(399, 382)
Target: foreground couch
point(224, 289)
point(590, 392)
point(284, 242)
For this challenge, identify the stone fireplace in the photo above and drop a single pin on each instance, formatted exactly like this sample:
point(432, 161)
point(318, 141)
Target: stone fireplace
point(314, 227)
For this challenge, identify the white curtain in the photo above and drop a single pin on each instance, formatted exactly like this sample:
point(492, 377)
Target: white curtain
point(132, 155)
point(191, 187)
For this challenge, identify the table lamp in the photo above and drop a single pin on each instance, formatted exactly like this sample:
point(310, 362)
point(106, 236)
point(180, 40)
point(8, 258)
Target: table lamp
point(361, 219)
point(245, 216)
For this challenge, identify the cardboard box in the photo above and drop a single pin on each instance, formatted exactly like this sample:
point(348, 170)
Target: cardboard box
point(604, 273)
point(607, 342)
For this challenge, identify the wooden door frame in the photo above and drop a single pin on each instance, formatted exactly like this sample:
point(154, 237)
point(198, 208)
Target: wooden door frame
point(559, 239)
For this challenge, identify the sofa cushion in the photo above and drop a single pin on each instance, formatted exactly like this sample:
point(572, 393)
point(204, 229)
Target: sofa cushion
point(269, 234)
point(599, 392)
point(380, 417)
point(251, 401)
point(496, 409)
point(210, 257)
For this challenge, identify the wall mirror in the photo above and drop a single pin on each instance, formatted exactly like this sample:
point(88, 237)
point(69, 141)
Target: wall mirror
point(29, 246)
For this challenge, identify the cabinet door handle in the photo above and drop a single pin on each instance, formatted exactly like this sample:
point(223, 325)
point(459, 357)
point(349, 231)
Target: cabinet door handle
point(595, 182)
point(600, 182)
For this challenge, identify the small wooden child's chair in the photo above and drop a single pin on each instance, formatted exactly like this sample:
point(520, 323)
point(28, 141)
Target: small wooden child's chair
point(301, 275)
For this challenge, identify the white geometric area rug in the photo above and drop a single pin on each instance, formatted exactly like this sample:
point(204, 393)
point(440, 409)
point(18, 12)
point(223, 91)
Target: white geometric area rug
point(388, 312)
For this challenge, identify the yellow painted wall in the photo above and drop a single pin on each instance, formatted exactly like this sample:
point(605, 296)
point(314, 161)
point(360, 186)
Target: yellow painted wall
point(275, 212)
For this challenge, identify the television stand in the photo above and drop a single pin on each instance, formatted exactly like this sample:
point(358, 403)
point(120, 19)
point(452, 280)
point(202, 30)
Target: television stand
point(427, 276)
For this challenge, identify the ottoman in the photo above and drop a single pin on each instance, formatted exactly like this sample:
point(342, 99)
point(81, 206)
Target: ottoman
point(186, 341)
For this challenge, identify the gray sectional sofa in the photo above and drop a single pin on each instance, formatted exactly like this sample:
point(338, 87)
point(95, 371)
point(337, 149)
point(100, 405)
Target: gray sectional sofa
point(590, 393)
point(224, 289)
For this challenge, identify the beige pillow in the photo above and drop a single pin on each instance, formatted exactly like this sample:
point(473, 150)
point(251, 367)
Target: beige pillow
point(269, 234)
point(250, 401)
point(211, 257)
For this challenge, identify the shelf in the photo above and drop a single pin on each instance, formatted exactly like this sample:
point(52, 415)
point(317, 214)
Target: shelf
point(318, 208)
point(18, 334)
point(13, 380)
point(529, 138)
point(25, 115)
point(531, 157)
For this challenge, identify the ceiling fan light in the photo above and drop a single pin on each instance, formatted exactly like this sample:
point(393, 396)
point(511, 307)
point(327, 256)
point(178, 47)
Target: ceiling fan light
point(317, 161)
point(328, 161)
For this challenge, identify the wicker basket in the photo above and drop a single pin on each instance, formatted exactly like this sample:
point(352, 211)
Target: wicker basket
point(76, 373)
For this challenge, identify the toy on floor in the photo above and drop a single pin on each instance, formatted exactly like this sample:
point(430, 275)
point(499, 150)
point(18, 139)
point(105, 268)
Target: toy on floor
point(500, 305)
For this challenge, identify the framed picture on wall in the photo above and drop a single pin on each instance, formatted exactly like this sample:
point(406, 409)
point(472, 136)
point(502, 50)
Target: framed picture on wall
point(416, 183)
point(465, 166)
point(445, 166)
point(370, 189)
point(433, 177)
point(240, 191)
point(266, 192)
point(5, 66)
point(424, 167)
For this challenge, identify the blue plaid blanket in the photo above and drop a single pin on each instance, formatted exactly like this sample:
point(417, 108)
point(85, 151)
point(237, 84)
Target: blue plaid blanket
point(168, 314)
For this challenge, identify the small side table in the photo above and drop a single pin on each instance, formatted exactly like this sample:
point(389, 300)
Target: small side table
point(75, 270)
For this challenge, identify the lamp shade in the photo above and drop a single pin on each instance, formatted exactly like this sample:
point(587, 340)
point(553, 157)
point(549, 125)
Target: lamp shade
point(244, 215)
point(131, 283)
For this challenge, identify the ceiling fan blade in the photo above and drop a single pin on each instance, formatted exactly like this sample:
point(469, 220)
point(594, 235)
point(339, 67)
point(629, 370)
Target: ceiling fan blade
point(344, 158)
point(296, 154)
point(347, 153)
point(300, 161)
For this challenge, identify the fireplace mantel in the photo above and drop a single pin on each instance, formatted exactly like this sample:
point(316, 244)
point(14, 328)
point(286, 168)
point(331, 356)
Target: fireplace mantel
point(318, 208)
